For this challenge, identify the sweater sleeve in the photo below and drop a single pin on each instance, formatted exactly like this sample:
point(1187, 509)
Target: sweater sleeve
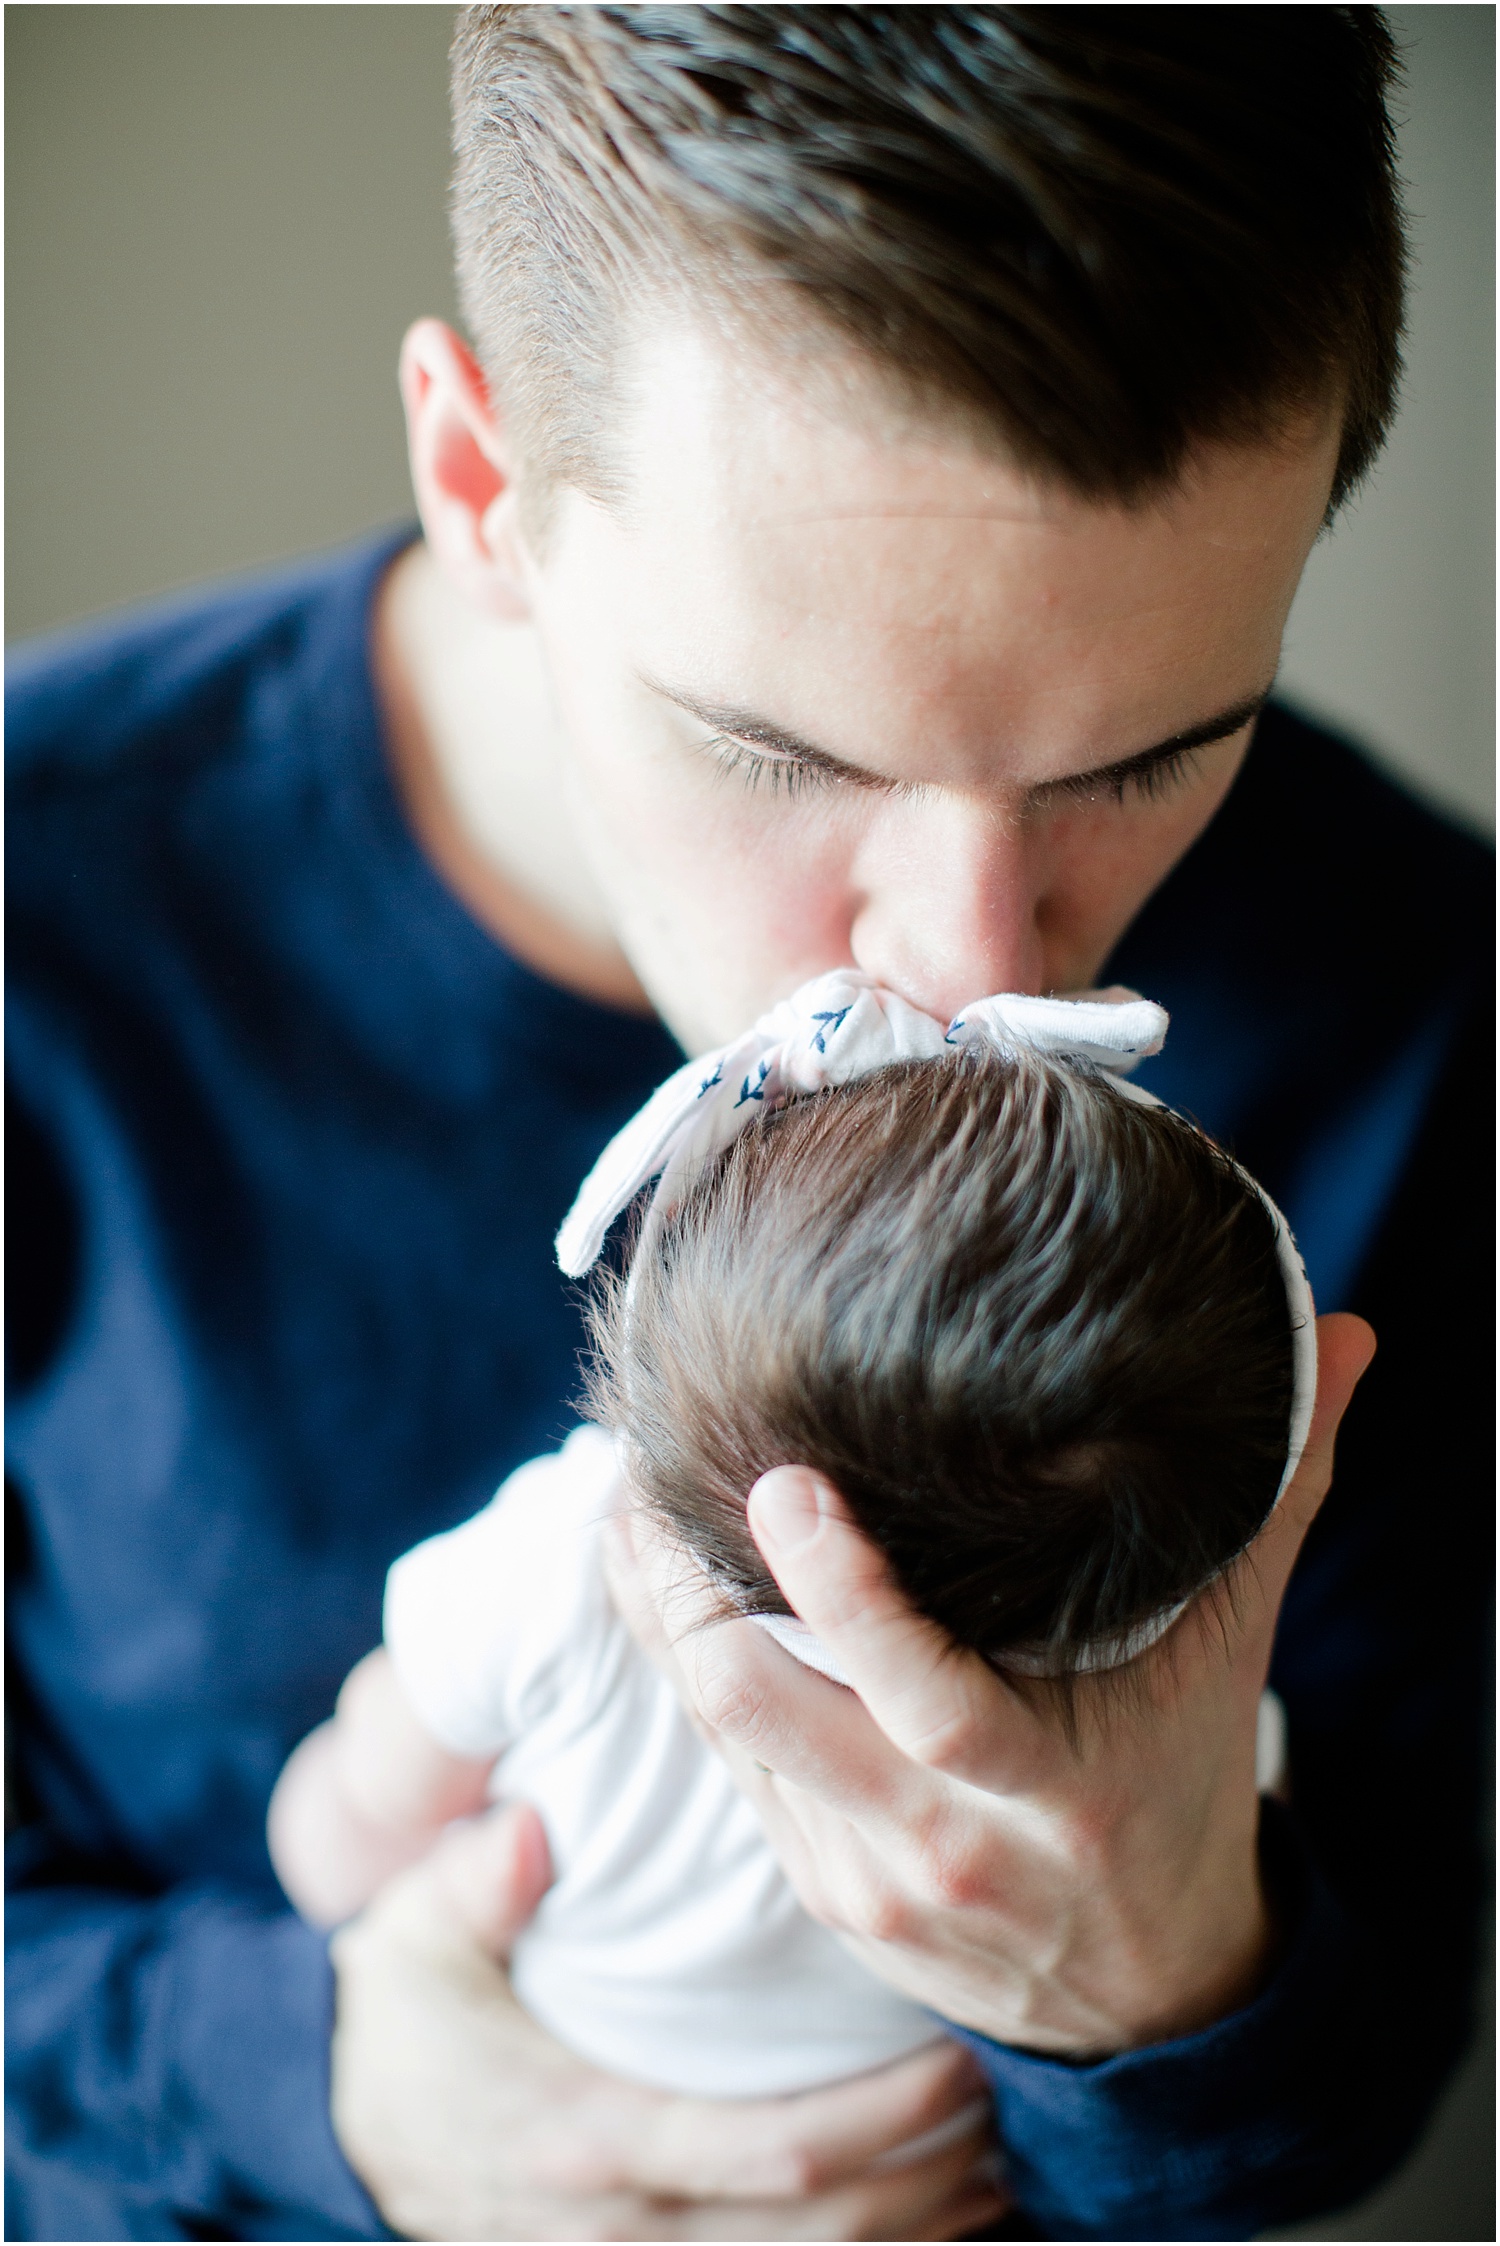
point(1307, 2098)
point(167, 2067)
point(1301, 2102)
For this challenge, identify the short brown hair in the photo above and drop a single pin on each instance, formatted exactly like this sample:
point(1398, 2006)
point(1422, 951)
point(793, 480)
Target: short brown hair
point(1036, 1333)
point(1102, 234)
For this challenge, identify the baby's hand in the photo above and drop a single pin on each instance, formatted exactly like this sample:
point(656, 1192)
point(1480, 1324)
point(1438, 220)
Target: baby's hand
point(364, 1795)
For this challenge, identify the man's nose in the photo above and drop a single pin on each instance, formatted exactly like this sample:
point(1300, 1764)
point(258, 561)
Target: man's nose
point(948, 897)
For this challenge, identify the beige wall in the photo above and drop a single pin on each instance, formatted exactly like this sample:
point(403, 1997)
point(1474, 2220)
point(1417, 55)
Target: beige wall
point(219, 221)
point(221, 218)
point(1393, 631)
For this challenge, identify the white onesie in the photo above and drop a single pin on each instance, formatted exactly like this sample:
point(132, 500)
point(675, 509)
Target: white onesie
point(671, 1949)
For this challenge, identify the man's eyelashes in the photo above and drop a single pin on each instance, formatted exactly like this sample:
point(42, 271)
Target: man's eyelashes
point(772, 769)
point(782, 774)
point(1147, 781)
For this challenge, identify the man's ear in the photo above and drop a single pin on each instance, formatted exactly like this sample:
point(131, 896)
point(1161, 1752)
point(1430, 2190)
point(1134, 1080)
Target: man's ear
point(462, 471)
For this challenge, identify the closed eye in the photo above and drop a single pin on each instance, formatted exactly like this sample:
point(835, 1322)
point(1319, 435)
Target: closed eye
point(767, 755)
point(1149, 778)
point(781, 772)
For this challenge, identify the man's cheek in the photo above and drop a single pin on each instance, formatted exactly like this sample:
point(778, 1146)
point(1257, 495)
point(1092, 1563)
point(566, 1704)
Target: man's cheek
point(1108, 858)
point(748, 944)
point(734, 861)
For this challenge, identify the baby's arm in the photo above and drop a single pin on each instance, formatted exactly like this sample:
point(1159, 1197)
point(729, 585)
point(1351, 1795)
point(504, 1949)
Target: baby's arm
point(364, 1795)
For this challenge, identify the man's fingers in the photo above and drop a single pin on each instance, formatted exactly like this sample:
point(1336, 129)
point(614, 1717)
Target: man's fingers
point(1257, 1583)
point(941, 1705)
point(742, 1687)
point(491, 1873)
point(789, 1720)
point(637, 1586)
point(1346, 1345)
point(951, 2196)
point(785, 2148)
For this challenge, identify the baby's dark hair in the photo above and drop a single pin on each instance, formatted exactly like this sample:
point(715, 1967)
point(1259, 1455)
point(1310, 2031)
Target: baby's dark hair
point(1035, 1332)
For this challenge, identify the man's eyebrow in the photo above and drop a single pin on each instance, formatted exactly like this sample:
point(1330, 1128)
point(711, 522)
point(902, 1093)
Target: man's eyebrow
point(762, 732)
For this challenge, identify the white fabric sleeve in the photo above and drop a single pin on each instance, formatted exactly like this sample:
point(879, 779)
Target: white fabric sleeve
point(466, 1611)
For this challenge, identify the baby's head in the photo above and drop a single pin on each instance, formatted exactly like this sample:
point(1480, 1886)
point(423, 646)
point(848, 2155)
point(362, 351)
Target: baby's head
point(1036, 1332)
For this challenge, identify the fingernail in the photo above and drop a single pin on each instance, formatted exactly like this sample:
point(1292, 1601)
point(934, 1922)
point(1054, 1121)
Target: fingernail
point(785, 1503)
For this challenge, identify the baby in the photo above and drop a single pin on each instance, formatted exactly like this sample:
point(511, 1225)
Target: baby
point(1053, 1346)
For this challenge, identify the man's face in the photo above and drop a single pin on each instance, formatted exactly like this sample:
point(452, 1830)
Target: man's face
point(840, 690)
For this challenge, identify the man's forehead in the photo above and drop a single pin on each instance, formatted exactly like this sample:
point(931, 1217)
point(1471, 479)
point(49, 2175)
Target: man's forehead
point(872, 584)
point(783, 443)
point(817, 434)
point(778, 484)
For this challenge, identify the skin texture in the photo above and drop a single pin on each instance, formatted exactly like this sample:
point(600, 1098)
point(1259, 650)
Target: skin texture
point(1075, 1887)
point(966, 651)
point(965, 642)
point(467, 2121)
point(364, 1795)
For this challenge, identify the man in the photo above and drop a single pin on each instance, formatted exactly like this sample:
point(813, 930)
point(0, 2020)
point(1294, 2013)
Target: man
point(864, 533)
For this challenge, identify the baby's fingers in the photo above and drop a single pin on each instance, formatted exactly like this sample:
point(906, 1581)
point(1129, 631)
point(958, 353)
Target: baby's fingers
point(491, 1872)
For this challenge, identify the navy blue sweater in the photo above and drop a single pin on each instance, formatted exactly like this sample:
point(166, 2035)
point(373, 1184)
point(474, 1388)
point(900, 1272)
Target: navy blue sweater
point(289, 1138)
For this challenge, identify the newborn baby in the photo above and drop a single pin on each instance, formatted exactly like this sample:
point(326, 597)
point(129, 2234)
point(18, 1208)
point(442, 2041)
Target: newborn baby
point(1053, 1346)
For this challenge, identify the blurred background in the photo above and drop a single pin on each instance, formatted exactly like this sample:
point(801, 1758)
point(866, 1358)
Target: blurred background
point(221, 219)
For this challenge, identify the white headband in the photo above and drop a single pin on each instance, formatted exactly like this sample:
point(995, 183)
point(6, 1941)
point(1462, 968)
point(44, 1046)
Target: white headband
point(843, 1026)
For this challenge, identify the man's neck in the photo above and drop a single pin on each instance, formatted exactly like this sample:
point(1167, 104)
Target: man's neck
point(478, 768)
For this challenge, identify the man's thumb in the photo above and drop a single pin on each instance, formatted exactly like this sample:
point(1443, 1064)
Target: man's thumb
point(492, 1872)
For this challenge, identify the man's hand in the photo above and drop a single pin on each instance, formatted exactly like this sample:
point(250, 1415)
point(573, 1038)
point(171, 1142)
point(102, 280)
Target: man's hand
point(1074, 1884)
point(465, 2120)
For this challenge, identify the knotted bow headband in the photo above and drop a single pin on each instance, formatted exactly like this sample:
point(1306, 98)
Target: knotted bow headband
point(843, 1026)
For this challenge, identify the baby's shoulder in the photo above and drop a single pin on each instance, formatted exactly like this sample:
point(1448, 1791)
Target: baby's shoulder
point(569, 1492)
point(488, 1620)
